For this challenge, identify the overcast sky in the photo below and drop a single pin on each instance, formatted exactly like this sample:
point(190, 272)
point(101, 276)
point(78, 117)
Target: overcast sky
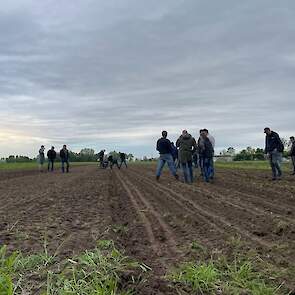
point(112, 74)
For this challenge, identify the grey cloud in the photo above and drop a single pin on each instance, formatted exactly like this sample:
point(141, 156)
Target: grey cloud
point(116, 73)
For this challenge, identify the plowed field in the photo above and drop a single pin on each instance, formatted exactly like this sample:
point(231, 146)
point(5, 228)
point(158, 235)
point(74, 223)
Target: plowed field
point(155, 222)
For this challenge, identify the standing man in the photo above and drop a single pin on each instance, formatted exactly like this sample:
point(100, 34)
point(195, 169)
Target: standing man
point(51, 155)
point(41, 158)
point(274, 149)
point(200, 149)
point(64, 156)
point(292, 153)
point(101, 158)
point(212, 140)
point(207, 152)
point(174, 153)
point(186, 144)
point(123, 159)
point(165, 150)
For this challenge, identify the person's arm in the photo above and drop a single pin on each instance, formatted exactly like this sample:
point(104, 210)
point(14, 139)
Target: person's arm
point(266, 145)
point(157, 147)
point(178, 143)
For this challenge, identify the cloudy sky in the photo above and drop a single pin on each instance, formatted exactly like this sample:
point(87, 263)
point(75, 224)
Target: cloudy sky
point(114, 73)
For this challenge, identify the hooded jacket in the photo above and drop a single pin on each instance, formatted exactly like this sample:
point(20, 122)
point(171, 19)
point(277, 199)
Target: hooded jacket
point(186, 144)
point(273, 142)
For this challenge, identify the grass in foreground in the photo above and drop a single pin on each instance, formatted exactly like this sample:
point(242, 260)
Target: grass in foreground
point(235, 274)
point(103, 270)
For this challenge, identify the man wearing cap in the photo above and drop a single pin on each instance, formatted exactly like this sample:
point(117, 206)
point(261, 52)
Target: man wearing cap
point(274, 149)
point(292, 153)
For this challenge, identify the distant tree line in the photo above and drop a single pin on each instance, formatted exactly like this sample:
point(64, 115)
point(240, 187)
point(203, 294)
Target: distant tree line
point(85, 155)
point(248, 154)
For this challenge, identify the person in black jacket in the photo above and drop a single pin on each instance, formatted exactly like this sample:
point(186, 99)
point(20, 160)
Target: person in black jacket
point(207, 153)
point(64, 156)
point(101, 157)
point(274, 149)
point(164, 147)
point(292, 153)
point(123, 159)
point(51, 155)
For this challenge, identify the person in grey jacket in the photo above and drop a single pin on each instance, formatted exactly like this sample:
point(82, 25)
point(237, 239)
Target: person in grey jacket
point(187, 145)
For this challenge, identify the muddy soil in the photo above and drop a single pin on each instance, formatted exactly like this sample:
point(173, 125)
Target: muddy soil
point(155, 222)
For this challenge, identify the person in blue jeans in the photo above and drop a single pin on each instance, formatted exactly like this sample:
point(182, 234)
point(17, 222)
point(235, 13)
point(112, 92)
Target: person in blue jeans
point(187, 145)
point(207, 152)
point(64, 156)
point(164, 147)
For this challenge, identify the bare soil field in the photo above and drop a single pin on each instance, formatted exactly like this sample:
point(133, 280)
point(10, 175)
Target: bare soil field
point(155, 222)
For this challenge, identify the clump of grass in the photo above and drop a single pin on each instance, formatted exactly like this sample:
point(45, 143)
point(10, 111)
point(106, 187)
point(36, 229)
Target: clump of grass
point(199, 277)
point(95, 272)
point(103, 270)
point(236, 277)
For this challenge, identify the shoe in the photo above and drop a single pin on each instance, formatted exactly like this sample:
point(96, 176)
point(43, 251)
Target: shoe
point(274, 178)
point(157, 178)
point(176, 177)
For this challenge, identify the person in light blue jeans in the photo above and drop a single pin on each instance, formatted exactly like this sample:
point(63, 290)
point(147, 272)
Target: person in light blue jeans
point(164, 147)
point(165, 158)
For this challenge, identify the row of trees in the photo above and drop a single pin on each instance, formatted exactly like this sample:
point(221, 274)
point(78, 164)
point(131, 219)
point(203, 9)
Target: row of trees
point(85, 155)
point(248, 154)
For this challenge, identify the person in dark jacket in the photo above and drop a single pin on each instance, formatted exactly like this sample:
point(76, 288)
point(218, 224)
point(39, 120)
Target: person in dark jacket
point(123, 159)
point(274, 149)
point(51, 155)
point(292, 153)
point(200, 148)
point(101, 157)
point(187, 145)
point(113, 161)
point(174, 153)
point(65, 157)
point(207, 152)
point(165, 149)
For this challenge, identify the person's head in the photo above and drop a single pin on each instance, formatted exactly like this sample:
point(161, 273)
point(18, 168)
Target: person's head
point(206, 131)
point(184, 132)
point(52, 147)
point(42, 146)
point(292, 138)
point(267, 131)
point(64, 146)
point(201, 130)
point(164, 134)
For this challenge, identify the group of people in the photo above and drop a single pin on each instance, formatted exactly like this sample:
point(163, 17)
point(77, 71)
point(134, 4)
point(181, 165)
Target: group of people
point(112, 159)
point(51, 155)
point(188, 151)
point(185, 153)
point(274, 148)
